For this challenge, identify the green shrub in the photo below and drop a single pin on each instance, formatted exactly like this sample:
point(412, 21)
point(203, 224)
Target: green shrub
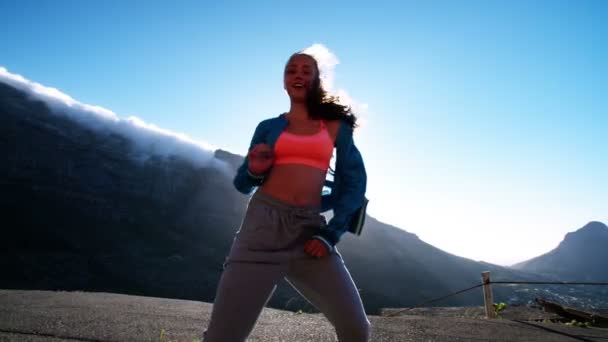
point(498, 307)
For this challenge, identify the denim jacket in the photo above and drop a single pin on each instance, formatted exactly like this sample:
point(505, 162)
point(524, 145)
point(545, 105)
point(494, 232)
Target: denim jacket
point(347, 188)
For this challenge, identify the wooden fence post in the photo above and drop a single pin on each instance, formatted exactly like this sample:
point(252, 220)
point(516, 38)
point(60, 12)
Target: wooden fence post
point(488, 298)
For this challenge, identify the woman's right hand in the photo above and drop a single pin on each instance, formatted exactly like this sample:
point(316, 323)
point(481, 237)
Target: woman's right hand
point(260, 159)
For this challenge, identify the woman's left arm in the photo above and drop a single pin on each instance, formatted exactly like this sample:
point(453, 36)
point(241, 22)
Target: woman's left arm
point(351, 182)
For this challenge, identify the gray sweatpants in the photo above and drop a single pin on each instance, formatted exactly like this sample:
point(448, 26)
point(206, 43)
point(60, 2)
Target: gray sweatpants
point(268, 247)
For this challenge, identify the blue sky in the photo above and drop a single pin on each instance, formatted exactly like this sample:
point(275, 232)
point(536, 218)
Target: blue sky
point(484, 122)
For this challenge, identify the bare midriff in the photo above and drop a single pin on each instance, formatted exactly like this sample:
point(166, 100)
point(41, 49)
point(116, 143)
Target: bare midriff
point(296, 184)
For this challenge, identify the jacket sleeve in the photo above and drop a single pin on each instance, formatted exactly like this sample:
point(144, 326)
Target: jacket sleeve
point(244, 181)
point(351, 182)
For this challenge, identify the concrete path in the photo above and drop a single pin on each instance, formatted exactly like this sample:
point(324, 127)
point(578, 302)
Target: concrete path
point(77, 316)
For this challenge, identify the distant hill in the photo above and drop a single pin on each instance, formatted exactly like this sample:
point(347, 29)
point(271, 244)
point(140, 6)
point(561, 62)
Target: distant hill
point(81, 213)
point(581, 256)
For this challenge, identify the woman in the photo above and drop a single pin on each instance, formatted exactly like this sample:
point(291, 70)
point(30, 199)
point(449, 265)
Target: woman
point(283, 234)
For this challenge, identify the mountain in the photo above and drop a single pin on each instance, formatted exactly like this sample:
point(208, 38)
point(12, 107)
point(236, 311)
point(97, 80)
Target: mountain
point(83, 210)
point(582, 256)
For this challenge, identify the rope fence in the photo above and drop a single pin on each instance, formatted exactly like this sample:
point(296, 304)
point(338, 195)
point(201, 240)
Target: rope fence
point(546, 283)
point(488, 297)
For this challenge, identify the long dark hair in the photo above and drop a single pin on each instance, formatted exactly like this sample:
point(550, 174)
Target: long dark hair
point(322, 105)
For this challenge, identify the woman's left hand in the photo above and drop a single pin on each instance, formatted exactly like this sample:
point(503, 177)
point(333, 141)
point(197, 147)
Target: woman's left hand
point(316, 248)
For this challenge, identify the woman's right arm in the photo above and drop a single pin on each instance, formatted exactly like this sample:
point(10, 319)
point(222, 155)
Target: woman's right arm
point(245, 181)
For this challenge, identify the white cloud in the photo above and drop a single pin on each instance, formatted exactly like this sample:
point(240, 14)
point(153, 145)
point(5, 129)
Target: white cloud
point(147, 138)
point(327, 61)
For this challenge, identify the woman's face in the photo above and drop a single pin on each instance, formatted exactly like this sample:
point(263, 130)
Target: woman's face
point(300, 72)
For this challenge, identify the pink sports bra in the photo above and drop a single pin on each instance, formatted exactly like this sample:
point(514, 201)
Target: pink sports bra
point(313, 150)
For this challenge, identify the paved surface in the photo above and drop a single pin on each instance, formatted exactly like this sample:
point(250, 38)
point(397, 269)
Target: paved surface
point(76, 316)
